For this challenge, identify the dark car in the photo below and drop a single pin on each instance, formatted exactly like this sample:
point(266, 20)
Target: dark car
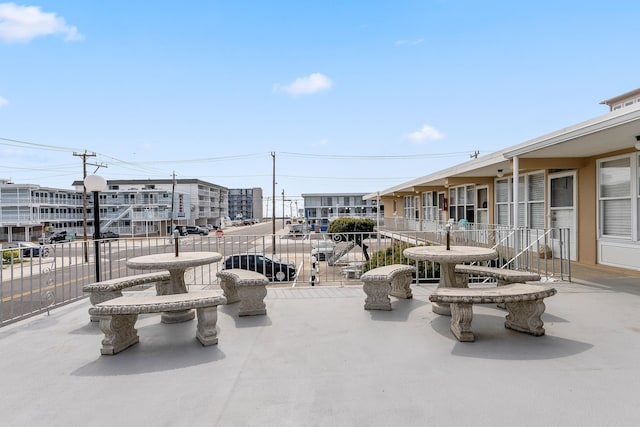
point(273, 268)
point(194, 229)
point(57, 236)
point(27, 249)
point(182, 230)
point(109, 235)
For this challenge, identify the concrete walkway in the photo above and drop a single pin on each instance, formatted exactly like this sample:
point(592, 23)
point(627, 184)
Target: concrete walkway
point(318, 358)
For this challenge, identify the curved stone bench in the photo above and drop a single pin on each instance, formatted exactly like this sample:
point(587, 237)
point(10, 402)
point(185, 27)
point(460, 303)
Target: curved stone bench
point(380, 282)
point(503, 276)
point(118, 316)
point(523, 302)
point(110, 289)
point(245, 286)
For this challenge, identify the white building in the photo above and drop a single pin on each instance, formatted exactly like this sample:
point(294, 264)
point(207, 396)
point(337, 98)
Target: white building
point(321, 208)
point(127, 207)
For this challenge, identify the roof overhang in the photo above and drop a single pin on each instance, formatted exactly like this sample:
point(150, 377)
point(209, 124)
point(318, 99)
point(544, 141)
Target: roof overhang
point(615, 131)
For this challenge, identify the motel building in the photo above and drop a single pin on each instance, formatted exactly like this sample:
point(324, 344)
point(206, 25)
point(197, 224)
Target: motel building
point(578, 191)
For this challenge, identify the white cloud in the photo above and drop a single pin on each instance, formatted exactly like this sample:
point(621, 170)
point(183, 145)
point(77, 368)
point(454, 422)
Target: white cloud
point(322, 143)
point(306, 85)
point(3, 101)
point(427, 133)
point(409, 42)
point(24, 23)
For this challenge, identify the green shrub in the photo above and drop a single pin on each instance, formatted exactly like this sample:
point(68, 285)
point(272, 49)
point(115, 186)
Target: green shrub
point(351, 225)
point(8, 255)
point(393, 255)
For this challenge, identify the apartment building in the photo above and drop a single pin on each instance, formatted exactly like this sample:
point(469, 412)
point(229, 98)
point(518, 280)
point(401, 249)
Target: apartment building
point(322, 208)
point(140, 207)
point(245, 203)
point(127, 207)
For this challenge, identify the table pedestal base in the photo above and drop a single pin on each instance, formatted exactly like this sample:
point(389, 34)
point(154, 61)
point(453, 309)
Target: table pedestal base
point(447, 280)
point(177, 316)
point(442, 309)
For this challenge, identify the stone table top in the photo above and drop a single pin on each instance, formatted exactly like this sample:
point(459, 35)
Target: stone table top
point(169, 261)
point(456, 254)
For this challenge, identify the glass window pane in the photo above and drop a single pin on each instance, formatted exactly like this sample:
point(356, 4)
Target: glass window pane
point(562, 192)
point(470, 195)
point(536, 215)
point(536, 187)
point(502, 191)
point(482, 198)
point(615, 178)
point(616, 217)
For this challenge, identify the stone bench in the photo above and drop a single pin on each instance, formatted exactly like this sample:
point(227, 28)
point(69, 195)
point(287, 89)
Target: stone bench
point(503, 276)
point(245, 286)
point(380, 282)
point(523, 302)
point(118, 316)
point(110, 289)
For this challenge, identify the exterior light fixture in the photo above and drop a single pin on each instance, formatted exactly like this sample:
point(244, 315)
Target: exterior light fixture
point(500, 173)
point(637, 143)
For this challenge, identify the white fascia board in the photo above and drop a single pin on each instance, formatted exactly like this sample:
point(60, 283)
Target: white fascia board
point(437, 178)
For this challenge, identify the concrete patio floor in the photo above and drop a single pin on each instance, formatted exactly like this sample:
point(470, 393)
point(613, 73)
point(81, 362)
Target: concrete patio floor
point(319, 359)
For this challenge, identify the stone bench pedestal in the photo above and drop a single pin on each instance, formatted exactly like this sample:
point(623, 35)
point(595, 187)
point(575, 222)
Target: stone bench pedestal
point(247, 287)
point(381, 282)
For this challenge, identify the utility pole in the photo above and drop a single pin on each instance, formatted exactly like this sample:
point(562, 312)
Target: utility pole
point(173, 195)
point(84, 198)
point(283, 208)
point(273, 206)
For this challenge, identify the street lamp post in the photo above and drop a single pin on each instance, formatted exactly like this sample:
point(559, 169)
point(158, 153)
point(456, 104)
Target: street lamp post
point(96, 184)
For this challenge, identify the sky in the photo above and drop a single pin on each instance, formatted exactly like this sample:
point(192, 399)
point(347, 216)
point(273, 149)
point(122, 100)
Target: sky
point(346, 96)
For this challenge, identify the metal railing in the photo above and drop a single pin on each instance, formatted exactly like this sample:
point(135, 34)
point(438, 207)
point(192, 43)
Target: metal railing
point(35, 284)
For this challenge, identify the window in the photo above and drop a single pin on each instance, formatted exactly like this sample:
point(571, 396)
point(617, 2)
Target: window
point(502, 201)
point(482, 208)
point(430, 206)
point(462, 203)
point(535, 201)
point(409, 208)
point(614, 193)
point(531, 206)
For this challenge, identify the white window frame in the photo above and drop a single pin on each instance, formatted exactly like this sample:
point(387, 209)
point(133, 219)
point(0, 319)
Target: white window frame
point(479, 208)
point(634, 176)
point(523, 196)
point(429, 209)
point(461, 200)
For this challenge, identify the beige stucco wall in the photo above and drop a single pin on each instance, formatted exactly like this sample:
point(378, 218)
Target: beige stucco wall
point(586, 213)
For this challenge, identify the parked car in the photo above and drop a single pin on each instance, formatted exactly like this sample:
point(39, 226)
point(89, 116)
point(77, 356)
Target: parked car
point(323, 249)
point(27, 249)
point(57, 236)
point(182, 230)
point(272, 267)
point(195, 229)
point(109, 235)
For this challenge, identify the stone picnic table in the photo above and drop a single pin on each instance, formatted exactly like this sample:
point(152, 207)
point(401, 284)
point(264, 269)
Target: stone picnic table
point(448, 258)
point(176, 265)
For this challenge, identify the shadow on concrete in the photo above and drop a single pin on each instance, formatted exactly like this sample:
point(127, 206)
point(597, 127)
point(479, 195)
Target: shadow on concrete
point(494, 341)
point(245, 321)
point(162, 347)
point(400, 310)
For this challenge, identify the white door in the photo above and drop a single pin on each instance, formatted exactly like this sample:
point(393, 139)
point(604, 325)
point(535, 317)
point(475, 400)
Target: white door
point(562, 213)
